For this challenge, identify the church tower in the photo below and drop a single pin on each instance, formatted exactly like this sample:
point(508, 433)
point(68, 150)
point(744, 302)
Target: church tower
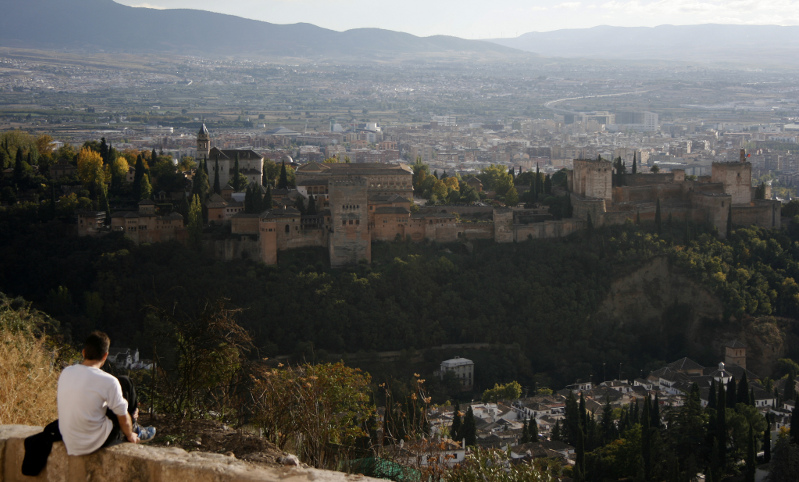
point(203, 143)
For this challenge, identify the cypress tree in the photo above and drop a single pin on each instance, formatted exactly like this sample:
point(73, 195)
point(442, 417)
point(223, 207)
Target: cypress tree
point(267, 202)
point(248, 206)
point(547, 184)
point(658, 222)
point(104, 151)
point(217, 189)
point(237, 186)
point(767, 440)
point(555, 435)
point(729, 221)
point(789, 392)
point(532, 429)
point(283, 182)
point(525, 434)
point(138, 174)
point(795, 421)
point(257, 198)
point(311, 205)
point(153, 158)
point(635, 165)
point(655, 413)
point(743, 390)
point(469, 428)
point(731, 396)
point(455, 428)
point(712, 401)
point(751, 457)
point(721, 428)
point(18, 170)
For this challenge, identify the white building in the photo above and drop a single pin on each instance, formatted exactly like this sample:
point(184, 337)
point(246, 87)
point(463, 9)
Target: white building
point(462, 368)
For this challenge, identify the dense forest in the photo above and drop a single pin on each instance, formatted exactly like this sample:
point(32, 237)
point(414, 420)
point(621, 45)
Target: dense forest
point(537, 299)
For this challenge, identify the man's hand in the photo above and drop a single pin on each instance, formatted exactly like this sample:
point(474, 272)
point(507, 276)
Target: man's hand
point(126, 424)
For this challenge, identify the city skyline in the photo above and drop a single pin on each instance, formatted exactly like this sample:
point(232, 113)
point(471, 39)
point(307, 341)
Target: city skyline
point(503, 19)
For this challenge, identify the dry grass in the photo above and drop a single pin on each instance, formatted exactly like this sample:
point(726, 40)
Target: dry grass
point(29, 366)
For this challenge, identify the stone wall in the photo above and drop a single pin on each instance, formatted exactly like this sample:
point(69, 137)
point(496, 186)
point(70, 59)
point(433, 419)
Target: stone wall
point(737, 180)
point(247, 247)
point(593, 179)
point(146, 463)
point(762, 213)
point(547, 229)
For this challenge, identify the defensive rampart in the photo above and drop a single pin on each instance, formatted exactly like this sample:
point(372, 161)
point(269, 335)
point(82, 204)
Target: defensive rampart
point(145, 463)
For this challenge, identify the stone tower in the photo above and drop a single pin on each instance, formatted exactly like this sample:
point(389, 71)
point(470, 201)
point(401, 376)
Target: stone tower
point(203, 143)
point(350, 240)
point(735, 354)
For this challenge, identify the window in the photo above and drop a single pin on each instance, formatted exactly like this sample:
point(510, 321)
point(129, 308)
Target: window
point(288, 229)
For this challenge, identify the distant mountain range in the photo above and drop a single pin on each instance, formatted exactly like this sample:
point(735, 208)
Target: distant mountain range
point(758, 44)
point(102, 25)
point(106, 26)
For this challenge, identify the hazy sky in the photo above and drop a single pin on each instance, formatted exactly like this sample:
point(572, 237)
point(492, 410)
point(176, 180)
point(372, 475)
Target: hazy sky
point(494, 18)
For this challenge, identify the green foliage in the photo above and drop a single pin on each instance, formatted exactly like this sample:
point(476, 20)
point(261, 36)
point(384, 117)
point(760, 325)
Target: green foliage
point(495, 466)
point(509, 391)
point(195, 222)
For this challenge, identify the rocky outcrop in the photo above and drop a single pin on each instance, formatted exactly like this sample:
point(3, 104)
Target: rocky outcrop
point(145, 463)
point(680, 317)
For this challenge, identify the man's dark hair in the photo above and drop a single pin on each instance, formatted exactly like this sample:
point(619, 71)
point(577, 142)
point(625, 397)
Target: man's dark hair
point(96, 345)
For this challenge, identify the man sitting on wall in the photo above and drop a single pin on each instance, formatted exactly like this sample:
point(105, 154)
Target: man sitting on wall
point(95, 409)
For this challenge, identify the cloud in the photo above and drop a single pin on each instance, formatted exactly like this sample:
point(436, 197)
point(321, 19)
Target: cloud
point(147, 5)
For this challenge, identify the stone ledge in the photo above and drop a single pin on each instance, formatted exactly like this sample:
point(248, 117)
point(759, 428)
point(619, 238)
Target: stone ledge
point(146, 463)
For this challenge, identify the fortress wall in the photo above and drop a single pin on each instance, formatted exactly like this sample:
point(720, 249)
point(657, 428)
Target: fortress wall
point(476, 230)
point(503, 225)
point(268, 242)
point(248, 225)
point(307, 238)
point(231, 248)
point(582, 207)
point(762, 213)
point(712, 209)
point(648, 193)
point(457, 209)
point(142, 462)
point(648, 179)
point(547, 229)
